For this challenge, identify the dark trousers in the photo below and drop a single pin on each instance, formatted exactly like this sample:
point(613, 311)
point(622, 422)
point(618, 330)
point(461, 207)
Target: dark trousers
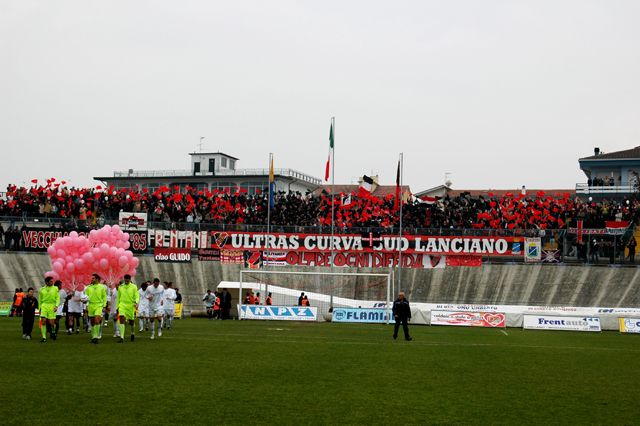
point(27, 323)
point(405, 327)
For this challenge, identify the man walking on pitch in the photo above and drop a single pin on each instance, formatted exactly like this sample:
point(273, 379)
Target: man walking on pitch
point(97, 295)
point(154, 294)
point(143, 307)
point(169, 299)
point(128, 299)
point(401, 313)
point(49, 302)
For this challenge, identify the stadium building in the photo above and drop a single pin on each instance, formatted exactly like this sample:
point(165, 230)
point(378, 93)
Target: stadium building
point(211, 171)
point(610, 175)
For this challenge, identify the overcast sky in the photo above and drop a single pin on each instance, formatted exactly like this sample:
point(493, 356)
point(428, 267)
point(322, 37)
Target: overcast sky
point(498, 93)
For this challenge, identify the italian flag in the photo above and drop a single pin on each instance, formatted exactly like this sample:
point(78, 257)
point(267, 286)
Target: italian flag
point(328, 167)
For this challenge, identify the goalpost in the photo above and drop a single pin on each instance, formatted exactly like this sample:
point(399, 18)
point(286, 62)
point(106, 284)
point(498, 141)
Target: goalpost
point(324, 290)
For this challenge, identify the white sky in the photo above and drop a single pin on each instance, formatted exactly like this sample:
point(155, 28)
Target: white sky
point(499, 93)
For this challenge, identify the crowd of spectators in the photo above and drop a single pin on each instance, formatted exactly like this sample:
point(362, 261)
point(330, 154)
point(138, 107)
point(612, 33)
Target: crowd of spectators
point(607, 181)
point(94, 206)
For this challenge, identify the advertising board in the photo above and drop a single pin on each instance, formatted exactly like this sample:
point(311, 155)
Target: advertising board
point(546, 322)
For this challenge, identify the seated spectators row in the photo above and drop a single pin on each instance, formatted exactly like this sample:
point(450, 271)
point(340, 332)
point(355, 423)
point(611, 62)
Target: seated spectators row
point(92, 206)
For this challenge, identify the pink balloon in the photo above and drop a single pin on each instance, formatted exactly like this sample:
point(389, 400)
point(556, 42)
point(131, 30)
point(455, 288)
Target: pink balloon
point(61, 253)
point(122, 261)
point(135, 262)
point(104, 263)
point(71, 267)
point(73, 234)
point(58, 266)
point(51, 251)
point(133, 273)
point(127, 244)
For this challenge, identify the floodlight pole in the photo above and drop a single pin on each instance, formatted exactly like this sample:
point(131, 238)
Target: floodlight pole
point(333, 215)
point(400, 234)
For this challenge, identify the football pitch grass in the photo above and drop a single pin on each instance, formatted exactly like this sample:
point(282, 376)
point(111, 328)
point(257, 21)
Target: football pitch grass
point(232, 372)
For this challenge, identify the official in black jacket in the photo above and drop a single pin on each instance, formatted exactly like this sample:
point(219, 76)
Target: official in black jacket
point(401, 313)
point(29, 306)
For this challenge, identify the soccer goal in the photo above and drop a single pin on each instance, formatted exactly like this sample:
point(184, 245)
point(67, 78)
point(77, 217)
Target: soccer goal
point(324, 291)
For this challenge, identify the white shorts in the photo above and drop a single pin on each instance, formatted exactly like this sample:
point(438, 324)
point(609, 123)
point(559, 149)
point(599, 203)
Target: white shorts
point(169, 311)
point(156, 311)
point(143, 311)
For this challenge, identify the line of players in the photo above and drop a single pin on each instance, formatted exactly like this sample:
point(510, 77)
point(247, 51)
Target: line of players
point(153, 303)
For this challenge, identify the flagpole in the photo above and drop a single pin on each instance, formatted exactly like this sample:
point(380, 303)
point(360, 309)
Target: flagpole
point(333, 215)
point(400, 239)
point(269, 205)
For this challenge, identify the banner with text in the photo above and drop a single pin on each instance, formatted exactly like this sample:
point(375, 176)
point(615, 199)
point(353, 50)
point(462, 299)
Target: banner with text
point(40, 239)
point(172, 255)
point(278, 313)
point(468, 319)
point(629, 325)
point(351, 243)
point(361, 315)
point(536, 322)
point(129, 221)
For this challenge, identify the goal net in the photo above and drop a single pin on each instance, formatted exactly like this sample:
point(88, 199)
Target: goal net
point(323, 290)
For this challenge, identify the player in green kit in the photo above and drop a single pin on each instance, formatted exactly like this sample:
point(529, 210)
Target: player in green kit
point(49, 302)
point(97, 295)
point(128, 298)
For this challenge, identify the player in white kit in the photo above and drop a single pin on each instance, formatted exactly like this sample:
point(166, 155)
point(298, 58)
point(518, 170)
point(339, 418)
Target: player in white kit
point(75, 307)
point(169, 305)
point(60, 312)
point(113, 309)
point(143, 307)
point(154, 295)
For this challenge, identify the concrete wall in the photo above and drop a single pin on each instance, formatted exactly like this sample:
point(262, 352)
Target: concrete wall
point(516, 284)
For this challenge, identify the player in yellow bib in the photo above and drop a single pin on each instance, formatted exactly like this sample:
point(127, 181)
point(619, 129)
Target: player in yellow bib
point(128, 299)
point(49, 302)
point(97, 295)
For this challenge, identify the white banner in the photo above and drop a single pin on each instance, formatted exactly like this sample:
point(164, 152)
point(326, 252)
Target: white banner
point(532, 249)
point(629, 325)
point(279, 313)
point(132, 221)
point(519, 309)
point(538, 322)
point(468, 319)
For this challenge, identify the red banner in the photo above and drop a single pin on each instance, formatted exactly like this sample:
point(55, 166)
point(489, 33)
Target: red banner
point(172, 255)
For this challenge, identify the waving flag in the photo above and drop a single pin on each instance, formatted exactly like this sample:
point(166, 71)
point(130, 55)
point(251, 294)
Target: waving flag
point(328, 167)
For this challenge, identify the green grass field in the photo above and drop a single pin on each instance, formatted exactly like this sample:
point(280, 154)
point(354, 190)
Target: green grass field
point(209, 372)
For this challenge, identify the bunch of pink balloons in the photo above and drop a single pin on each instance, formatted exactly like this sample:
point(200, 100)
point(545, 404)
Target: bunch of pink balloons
point(110, 248)
point(69, 261)
point(75, 258)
